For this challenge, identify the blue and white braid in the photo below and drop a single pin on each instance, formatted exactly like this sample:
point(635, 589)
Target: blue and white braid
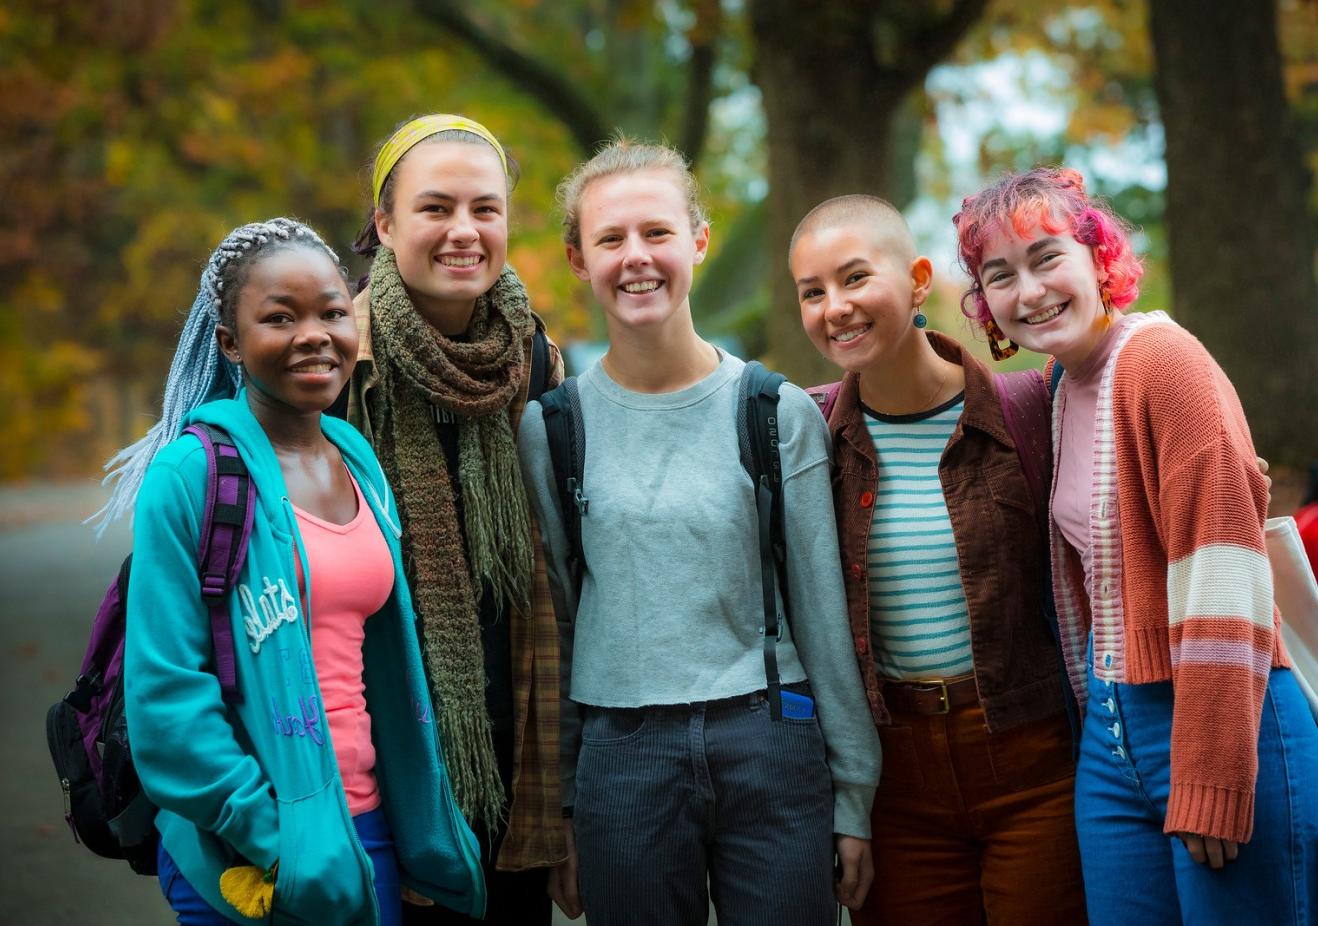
point(199, 372)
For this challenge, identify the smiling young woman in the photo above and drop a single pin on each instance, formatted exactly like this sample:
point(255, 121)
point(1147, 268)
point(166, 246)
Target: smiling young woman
point(342, 797)
point(1190, 800)
point(678, 782)
point(451, 352)
point(447, 225)
point(944, 553)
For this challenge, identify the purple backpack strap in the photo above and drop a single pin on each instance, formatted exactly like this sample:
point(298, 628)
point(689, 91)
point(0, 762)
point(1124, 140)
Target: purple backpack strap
point(225, 530)
point(107, 628)
point(825, 397)
point(1027, 411)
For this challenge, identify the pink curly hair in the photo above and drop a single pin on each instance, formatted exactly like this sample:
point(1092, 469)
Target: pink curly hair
point(1054, 199)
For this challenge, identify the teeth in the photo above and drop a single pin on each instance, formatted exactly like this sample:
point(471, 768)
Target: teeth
point(851, 335)
point(1046, 315)
point(315, 368)
point(648, 286)
point(459, 261)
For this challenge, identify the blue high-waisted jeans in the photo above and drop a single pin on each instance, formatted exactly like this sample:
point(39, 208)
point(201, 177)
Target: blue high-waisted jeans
point(1137, 876)
point(372, 830)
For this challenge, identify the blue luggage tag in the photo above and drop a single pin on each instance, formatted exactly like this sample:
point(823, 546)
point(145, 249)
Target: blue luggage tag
point(798, 706)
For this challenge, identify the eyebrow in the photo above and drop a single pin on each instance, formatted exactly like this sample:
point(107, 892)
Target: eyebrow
point(616, 228)
point(1032, 249)
point(855, 261)
point(289, 300)
point(449, 197)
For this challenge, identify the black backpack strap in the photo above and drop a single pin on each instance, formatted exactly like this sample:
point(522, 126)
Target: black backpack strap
point(539, 373)
point(566, 436)
point(226, 528)
point(758, 423)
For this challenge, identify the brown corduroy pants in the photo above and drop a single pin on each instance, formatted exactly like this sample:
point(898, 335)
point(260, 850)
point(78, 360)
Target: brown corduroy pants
point(972, 827)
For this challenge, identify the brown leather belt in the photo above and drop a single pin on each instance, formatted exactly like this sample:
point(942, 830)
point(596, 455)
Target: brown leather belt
point(929, 697)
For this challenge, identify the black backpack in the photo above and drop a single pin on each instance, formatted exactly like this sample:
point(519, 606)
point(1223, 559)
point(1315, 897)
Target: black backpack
point(104, 804)
point(757, 429)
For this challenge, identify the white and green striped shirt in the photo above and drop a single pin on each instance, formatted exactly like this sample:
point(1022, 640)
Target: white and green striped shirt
point(919, 623)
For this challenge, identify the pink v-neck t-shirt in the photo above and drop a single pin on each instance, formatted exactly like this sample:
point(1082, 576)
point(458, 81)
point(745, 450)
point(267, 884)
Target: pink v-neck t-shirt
point(352, 575)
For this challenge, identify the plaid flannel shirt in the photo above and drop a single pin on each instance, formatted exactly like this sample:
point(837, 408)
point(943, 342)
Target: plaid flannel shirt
point(535, 819)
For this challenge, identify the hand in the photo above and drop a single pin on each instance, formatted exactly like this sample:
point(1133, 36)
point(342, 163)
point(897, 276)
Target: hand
point(563, 889)
point(855, 871)
point(1262, 464)
point(1210, 850)
point(415, 899)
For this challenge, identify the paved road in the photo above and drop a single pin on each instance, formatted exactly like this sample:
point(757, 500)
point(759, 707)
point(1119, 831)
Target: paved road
point(52, 576)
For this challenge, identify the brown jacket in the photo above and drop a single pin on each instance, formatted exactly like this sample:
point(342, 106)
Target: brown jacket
point(535, 818)
point(1000, 543)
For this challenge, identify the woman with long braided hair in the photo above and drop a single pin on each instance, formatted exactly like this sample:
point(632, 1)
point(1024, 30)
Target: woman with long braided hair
point(318, 788)
point(451, 352)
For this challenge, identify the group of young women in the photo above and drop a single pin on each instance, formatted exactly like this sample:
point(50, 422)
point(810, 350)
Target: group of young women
point(447, 726)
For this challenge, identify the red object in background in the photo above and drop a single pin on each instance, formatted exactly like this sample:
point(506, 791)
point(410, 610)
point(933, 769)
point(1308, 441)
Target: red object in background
point(1307, 521)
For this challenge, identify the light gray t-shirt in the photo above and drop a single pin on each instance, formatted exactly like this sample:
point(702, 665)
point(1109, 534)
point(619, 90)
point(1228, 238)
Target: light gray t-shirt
point(671, 607)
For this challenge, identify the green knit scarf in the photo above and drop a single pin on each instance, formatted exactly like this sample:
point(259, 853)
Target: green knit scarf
point(476, 379)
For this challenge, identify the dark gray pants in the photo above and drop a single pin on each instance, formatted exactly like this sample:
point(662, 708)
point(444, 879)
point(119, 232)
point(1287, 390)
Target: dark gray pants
point(670, 799)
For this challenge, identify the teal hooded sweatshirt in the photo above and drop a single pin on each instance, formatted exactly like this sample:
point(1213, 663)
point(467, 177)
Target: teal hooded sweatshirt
point(257, 782)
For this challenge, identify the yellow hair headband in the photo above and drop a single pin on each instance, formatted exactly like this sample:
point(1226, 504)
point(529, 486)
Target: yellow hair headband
point(405, 138)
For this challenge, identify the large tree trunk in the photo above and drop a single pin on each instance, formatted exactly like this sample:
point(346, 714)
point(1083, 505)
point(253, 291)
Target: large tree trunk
point(828, 112)
point(834, 76)
point(1242, 249)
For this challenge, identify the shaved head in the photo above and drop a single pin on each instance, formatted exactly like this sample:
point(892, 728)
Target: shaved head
point(860, 210)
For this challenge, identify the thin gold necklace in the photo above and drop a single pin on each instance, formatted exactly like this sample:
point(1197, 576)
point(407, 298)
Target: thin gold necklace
point(925, 405)
point(929, 402)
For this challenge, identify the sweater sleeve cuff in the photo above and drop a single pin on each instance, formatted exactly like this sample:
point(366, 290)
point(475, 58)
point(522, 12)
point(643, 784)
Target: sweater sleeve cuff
point(851, 809)
point(254, 832)
point(1210, 811)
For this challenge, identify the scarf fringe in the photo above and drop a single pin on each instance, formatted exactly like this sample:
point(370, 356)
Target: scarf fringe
point(472, 766)
point(497, 513)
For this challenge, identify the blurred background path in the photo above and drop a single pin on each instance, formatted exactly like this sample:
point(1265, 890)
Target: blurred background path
point(52, 576)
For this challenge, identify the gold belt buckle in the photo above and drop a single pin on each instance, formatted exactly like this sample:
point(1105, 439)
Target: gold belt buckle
point(944, 701)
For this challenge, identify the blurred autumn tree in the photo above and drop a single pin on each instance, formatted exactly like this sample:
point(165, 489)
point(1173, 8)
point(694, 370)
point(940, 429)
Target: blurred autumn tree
point(1242, 243)
point(133, 136)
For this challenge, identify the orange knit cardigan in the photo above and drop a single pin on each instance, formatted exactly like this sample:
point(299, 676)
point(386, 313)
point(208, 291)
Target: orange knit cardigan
point(1181, 589)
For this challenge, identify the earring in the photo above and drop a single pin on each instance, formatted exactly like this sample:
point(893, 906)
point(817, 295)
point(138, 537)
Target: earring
point(995, 335)
point(920, 318)
point(1106, 296)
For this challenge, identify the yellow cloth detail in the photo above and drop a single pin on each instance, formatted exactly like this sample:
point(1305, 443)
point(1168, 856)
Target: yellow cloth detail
point(250, 890)
point(405, 138)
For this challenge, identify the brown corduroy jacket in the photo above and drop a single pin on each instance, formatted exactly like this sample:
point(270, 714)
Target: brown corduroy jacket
point(1000, 543)
point(535, 818)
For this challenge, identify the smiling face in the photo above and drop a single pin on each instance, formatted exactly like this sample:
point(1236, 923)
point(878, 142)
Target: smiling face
point(858, 293)
point(637, 249)
point(294, 333)
point(448, 228)
point(1043, 291)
